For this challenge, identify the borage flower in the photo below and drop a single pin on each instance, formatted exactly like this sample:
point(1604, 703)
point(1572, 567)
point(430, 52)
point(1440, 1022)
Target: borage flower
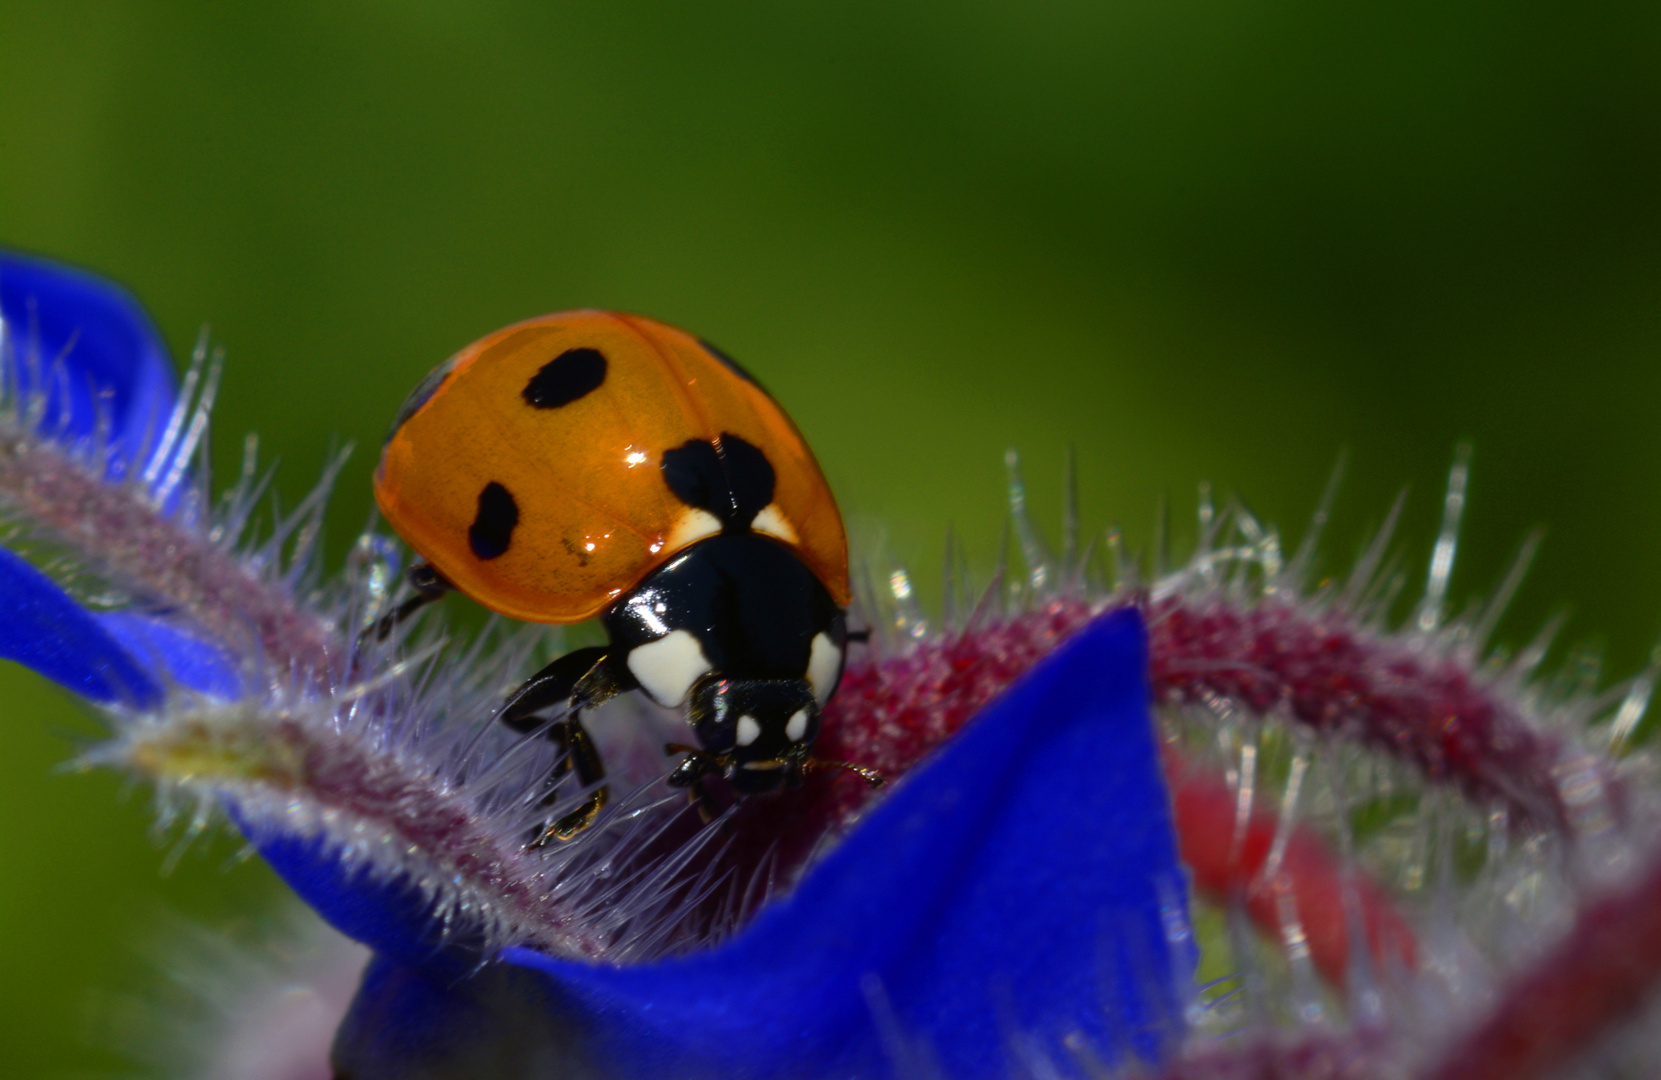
point(1409, 849)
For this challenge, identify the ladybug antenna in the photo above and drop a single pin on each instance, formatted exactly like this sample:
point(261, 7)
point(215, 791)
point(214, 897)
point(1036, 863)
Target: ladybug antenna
point(870, 776)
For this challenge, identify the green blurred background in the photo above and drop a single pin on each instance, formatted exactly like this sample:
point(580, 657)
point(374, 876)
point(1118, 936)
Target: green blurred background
point(1195, 240)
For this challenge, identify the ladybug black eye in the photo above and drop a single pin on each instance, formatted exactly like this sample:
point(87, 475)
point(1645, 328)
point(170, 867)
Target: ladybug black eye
point(573, 374)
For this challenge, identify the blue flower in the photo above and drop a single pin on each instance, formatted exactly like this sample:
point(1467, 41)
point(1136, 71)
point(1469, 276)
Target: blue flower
point(84, 353)
point(81, 363)
point(1013, 904)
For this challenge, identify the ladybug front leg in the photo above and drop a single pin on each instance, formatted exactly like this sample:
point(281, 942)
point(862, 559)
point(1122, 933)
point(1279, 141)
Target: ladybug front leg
point(690, 773)
point(576, 680)
point(557, 684)
point(582, 757)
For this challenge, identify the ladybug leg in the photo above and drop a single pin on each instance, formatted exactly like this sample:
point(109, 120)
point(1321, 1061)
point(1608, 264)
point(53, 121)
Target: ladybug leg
point(558, 684)
point(429, 585)
point(690, 774)
point(577, 680)
point(583, 758)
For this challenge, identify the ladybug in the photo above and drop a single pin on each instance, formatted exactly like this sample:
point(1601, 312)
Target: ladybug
point(591, 463)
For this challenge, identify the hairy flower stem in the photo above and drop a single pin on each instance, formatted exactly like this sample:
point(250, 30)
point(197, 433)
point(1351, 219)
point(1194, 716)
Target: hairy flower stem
point(1316, 667)
point(118, 531)
point(1325, 672)
point(1602, 972)
point(288, 770)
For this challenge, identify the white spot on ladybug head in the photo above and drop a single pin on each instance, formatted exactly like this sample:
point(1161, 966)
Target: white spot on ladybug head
point(824, 667)
point(797, 726)
point(748, 730)
point(771, 521)
point(694, 524)
point(667, 668)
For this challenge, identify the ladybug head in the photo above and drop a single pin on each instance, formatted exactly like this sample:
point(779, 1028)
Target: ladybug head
point(763, 728)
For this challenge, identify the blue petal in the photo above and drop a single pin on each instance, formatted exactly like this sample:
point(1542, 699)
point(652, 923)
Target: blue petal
point(1007, 902)
point(83, 337)
point(500, 1024)
point(107, 657)
point(162, 646)
point(43, 628)
point(386, 913)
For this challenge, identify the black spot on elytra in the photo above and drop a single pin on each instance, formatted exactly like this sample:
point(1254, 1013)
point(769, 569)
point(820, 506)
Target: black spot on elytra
point(730, 478)
point(573, 374)
point(732, 365)
point(492, 529)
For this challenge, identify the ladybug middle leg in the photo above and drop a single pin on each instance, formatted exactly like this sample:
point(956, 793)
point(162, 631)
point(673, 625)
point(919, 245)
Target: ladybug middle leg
point(577, 680)
point(428, 584)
